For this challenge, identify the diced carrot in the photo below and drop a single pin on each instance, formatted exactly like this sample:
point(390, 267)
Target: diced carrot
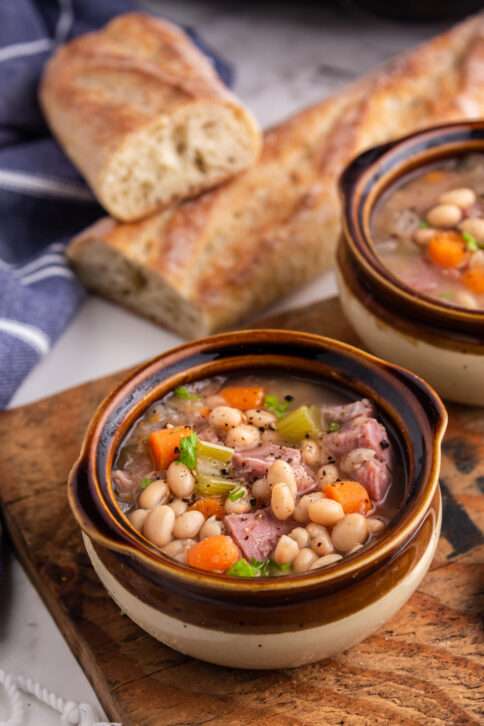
point(204, 411)
point(164, 445)
point(474, 279)
point(447, 249)
point(433, 176)
point(352, 496)
point(215, 554)
point(243, 397)
point(209, 507)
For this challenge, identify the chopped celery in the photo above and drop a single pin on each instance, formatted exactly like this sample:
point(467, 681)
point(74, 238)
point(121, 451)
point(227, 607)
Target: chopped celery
point(298, 424)
point(210, 467)
point(207, 485)
point(208, 450)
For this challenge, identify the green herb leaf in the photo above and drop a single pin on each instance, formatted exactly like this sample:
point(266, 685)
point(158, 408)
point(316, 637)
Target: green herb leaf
point(242, 568)
point(276, 568)
point(188, 450)
point(237, 493)
point(145, 482)
point(333, 426)
point(185, 393)
point(423, 224)
point(273, 403)
point(447, 295)
point(471, 242)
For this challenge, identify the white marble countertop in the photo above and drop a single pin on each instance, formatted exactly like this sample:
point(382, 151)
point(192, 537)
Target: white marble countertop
point(285, 58)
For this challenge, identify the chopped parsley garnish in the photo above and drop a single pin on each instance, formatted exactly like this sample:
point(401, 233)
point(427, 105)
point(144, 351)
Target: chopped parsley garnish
point(145, 482)
point(275, 567)
point(185, 393)
point(333, 426)
point(273, 403)
point(188, 450)
point(423, 224)
point(237, 493)
point(471, 242)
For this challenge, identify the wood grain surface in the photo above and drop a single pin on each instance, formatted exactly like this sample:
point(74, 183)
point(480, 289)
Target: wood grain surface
point(424, 667)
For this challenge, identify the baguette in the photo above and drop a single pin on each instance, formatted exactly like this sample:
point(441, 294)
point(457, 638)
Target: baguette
point(143, 115)
point(207, 263)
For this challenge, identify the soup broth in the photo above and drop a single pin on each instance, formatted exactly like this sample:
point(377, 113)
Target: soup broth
point(429, 231)
point(258, 475)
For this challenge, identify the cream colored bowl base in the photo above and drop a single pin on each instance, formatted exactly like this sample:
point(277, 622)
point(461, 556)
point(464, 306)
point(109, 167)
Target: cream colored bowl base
point(274, 650)
point(456, 375)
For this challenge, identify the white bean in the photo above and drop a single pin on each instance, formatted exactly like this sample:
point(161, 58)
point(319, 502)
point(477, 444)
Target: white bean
point(137, 517)
point(310, 452)
point(300, 535)
point(158, 525)
point(423, 236)
point(282, 501)
point(155, 493)
point(243, 436)
point(215, 400)
point(475, 227)
point(260, 418)
point(444, 215)
point(477, 259)
point(326, 512)
point(349, 532)
point(466, 299)
point(240, 506)
point(320, 541)
point(301, 509)
point(271, 437)
point(188, 525)
point(282, 472)
point(286, 550)
point(375, 525)
point(328, 474)
point(303, 560)
point(180, 479)
point(211, 528)
point(261, 490)
point(355, 459)
point(178, 506)
point(224, 417)
point(462, 197)
point(325, 561)
point(178, 549)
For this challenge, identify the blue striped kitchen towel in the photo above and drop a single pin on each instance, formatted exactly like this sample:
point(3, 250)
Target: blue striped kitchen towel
point(43, 200)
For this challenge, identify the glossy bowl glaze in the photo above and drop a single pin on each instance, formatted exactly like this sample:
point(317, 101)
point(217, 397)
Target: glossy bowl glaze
point(265, 622)
point(443, 343)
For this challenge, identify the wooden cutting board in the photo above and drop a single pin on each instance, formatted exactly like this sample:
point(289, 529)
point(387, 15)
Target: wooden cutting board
point(421, 668)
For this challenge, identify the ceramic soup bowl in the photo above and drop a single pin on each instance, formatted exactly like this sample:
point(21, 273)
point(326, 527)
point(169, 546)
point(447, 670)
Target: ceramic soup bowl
point(266, 622)
point(441, 342)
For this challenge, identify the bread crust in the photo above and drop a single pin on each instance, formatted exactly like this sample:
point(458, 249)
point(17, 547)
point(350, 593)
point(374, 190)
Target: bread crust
point(100, 91)
point(234, 250)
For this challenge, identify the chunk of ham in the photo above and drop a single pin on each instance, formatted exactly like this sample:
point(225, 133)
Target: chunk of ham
point(362, 432)
point(375, 477)
point(123, 482)
point(253, 464)
point(346, 412)
point(257, 533)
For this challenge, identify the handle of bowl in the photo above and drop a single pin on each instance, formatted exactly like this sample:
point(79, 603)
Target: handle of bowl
point(84, 509)
point(352, 173)
point(429, 399)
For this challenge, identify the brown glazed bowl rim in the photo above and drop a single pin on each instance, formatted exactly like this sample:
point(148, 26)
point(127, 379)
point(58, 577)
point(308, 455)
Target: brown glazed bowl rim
point(415, 413)
point(362, 185)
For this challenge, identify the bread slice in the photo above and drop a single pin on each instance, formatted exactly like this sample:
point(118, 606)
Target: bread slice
point(205, 264)
point(143, 115)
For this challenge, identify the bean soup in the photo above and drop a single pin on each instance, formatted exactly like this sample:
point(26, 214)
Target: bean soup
point(429, 231)
point(258, 475)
